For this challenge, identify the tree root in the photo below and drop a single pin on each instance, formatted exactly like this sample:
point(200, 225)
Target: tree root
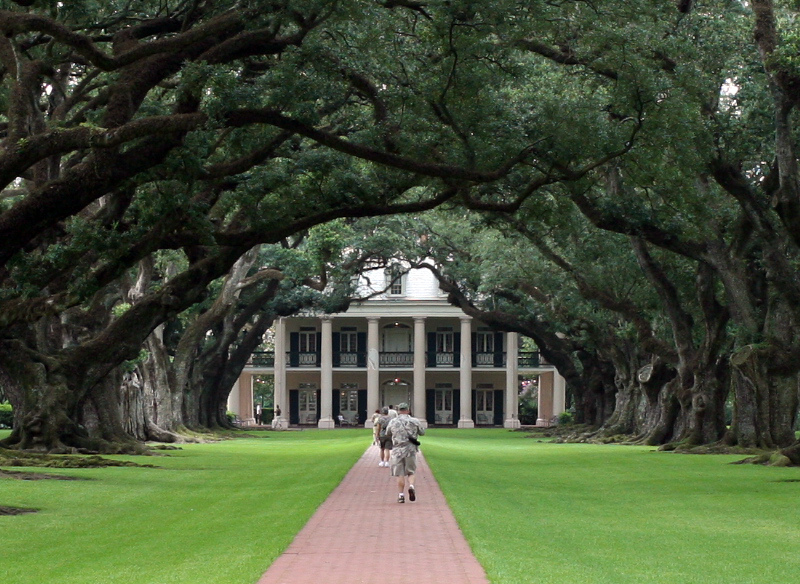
point(35, 459)
point(15, 510)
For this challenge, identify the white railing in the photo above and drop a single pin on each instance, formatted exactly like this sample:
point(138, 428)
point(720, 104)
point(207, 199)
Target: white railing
point(445, 359)
point(397, 359)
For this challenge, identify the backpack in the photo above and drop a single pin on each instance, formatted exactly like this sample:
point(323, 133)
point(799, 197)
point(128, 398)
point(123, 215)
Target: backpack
point(384, 422)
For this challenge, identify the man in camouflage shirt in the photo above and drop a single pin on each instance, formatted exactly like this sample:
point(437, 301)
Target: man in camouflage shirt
point(403, 431)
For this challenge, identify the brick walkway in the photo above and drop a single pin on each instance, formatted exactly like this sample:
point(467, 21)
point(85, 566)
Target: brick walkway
point(361, 533)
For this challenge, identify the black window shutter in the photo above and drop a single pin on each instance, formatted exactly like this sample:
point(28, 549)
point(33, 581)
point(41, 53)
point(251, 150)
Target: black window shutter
point(499, 404)
point(294, 406)
point(337, 349)
point(431, 350)
point(474, 337)
point(362, 406)
point(294, 349)
point(336, 404)
point(474, 405)
point(361, 342)
point(498, 350)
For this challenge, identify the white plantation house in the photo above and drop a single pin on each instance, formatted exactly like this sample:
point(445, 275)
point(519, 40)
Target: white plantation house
point(407, 344)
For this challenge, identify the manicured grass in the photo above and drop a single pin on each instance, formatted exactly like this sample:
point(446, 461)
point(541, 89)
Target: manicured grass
point(537, 512)
point(534, 512)
point(216, 513)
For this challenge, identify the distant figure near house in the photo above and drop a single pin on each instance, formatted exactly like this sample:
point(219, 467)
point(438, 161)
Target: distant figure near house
point(375, 417)
point(384, 441)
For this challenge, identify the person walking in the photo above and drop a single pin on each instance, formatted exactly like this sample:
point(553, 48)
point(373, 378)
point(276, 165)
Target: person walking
point(375, 427)
point(384, 441)
point(403, 431)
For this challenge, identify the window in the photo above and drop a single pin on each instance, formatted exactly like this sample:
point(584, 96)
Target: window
point(484, 401)
point(443, 403)
point(445, 340)
point(484, 342)
point(348, 341)
point(307, 340)
point(444, 400)
point(348, 399)
point(395, 280)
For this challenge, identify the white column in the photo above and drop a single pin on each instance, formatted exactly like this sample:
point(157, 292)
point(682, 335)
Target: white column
point(233, 398)
point(545, 416)
point(281, 396)
point(326, 376)
point(512, 382)
point(373, 362)
point(418, 407)
point(559, 393)
point(465, 374)
point(248, 414)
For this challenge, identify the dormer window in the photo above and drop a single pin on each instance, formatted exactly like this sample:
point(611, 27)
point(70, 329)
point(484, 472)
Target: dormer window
point(395, 279)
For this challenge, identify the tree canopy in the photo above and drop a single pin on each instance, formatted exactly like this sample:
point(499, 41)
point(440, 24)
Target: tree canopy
point(178, 159)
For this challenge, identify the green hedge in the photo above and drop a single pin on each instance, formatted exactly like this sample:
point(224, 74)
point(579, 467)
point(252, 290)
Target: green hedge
point(6, 415)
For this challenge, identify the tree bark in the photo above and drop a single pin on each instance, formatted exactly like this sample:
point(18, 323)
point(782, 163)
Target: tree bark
point(766, 404)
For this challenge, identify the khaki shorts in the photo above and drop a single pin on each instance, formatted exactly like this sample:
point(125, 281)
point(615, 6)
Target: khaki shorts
point(404, 466)
point(385, 443)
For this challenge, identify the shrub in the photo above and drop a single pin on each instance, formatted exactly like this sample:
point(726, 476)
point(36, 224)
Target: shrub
point(6, 415)
point(565, 418)
point(528, 410)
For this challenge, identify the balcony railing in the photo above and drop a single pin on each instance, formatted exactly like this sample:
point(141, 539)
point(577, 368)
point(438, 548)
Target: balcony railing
point(445, 360)
point(396, 359)
point(392, 359)
point(349, 359)
point(529, 359)
point(489, 359)
point(262, 359)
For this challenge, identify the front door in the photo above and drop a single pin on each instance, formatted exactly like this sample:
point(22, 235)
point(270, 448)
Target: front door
point(484, 406)
point(395, 392)
point(308, 406)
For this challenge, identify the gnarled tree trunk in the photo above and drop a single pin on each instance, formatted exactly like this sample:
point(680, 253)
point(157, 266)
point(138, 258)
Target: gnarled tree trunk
point(765, 402)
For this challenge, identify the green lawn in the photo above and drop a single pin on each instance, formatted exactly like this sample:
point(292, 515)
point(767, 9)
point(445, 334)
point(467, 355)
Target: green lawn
point(534, 512)
point(215, 513)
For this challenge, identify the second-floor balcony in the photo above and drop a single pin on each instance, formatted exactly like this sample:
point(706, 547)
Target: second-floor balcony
point(394, 359)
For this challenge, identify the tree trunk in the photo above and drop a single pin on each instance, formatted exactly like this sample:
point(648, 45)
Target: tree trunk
point(658, 408)
point(765, 402)
point(707, 420)
point(150, 407)
point(44, 419)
